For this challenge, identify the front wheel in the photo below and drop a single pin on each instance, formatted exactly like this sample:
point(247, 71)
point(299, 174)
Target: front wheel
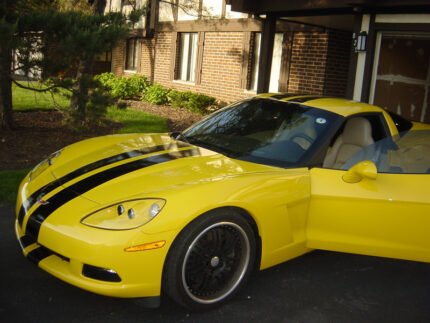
point(210, 260)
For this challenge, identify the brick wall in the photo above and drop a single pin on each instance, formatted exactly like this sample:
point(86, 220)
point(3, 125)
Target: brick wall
point(221, 65)
point(308, 59)
point(118, 58)
point(319, 63)
point(338, 56)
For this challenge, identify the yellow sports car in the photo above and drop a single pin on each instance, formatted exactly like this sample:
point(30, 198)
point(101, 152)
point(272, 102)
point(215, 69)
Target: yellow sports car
point(191, 215)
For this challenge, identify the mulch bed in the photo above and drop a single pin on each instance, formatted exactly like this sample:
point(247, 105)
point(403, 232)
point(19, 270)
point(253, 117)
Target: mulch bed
point(178, 119)
point(40, 133)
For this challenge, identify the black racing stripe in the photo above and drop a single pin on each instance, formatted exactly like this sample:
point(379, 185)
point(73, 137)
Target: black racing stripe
point(39, 254)
point(281, 96)
point(43, 211)
point(306, 99)
point(27, 204)
point(25, 241)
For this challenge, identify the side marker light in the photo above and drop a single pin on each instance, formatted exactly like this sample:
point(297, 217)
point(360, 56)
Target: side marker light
point(146, 246)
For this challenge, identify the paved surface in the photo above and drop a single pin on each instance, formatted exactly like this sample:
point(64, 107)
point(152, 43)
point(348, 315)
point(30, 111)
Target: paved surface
point(318, 287)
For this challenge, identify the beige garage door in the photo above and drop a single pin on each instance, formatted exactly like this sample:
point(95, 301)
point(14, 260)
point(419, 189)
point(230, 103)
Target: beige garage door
point(401, 76)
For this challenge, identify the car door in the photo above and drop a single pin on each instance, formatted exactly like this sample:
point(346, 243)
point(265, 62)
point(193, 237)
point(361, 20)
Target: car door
point(377, 204)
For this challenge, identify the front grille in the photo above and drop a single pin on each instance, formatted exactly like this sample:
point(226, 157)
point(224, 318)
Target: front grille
point(99, 273)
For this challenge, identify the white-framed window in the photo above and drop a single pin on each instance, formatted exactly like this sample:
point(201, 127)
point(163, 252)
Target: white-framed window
point(276, 62)
point(256, 46)
point(187, 59)
point(131, 54)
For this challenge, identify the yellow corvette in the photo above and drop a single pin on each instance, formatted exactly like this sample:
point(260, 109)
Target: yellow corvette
point(190, 215)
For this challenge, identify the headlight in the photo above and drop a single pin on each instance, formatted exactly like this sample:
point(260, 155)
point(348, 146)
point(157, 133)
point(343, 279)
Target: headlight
point(126, 215)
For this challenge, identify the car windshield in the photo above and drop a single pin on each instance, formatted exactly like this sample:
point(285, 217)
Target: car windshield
point(264, 131)
point(408, 153)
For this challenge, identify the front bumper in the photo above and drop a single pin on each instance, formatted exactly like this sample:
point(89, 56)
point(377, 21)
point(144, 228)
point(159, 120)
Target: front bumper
point(97, 262)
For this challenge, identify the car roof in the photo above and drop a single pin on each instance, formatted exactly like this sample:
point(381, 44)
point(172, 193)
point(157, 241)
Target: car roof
point(339, 106)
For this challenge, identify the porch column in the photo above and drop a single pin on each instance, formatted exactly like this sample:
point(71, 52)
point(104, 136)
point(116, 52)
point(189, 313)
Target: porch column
point(266, 53)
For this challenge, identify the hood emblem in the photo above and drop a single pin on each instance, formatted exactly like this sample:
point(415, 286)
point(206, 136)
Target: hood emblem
point(42, 202)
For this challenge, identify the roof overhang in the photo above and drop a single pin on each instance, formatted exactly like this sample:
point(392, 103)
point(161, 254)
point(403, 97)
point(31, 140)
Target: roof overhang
point(292, 8)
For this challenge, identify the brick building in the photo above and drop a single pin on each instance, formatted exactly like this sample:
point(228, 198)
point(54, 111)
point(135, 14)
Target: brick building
point(209, 48)
point(390, 59)
point(376, 52)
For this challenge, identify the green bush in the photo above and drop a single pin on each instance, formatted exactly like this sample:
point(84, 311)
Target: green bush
point(200, 103)
point(194, 102)
point(156, 94)
point(178, 99)
point(124, 87)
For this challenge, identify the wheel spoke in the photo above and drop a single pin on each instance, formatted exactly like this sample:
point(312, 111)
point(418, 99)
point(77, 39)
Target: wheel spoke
point(215, 262)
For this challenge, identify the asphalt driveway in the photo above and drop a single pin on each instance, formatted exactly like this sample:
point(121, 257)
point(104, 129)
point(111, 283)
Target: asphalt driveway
point(318, 287)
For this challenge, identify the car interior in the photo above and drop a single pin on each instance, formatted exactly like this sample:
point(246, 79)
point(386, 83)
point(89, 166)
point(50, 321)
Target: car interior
point(356, 133)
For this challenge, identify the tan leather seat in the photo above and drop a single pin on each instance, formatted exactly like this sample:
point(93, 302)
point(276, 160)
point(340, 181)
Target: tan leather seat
point(356, 135)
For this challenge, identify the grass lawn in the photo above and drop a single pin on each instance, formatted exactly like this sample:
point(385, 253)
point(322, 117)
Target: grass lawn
point(9, 185)
point(137, 121)
point(25, 100)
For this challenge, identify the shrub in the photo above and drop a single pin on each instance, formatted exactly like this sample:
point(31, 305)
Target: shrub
point(200, 103)
point(124, 87)
point(178, 99)
point(194, 102)
point(156, 94)
point(137, 85)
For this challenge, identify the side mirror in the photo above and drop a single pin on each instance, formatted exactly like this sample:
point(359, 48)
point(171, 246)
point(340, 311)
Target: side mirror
point(364, 169)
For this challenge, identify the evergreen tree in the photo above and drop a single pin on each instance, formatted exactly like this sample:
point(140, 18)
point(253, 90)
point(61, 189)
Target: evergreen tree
point(12, 14)
point(50, 37)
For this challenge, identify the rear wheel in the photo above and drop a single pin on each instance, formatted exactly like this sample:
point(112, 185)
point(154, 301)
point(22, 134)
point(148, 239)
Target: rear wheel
point(210, 260)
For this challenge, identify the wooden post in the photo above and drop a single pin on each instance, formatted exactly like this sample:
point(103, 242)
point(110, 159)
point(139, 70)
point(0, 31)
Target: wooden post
point(266, 53)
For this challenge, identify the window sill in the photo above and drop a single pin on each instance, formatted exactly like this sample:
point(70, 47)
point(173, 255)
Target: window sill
point(130, 71)
point(184, 82)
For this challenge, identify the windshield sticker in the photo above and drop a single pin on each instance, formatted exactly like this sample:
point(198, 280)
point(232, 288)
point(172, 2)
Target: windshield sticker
point(320, 120)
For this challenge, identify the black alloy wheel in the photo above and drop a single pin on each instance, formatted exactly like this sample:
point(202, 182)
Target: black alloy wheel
point(210, 260)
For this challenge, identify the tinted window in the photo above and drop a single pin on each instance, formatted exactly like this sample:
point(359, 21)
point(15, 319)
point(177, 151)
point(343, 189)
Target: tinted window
point(265, 131)
point(408, 153)
point(401, 123)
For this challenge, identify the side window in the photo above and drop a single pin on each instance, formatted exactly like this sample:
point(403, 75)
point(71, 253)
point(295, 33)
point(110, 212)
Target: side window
point(405, 154)
point(401, 123)
point(355, 134)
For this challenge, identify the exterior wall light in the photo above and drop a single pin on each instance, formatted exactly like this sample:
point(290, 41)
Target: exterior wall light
point(360, 41)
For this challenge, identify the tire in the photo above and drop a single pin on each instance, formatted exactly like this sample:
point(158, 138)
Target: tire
point(210, 260)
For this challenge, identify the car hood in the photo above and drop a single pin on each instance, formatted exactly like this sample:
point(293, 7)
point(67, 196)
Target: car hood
point(119, 167)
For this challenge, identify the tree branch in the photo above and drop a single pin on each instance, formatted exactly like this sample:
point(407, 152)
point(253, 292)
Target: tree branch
point(33, 88)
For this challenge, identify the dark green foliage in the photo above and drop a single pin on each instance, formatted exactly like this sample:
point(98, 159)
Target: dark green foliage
point(132, 87)
point(178, 99)
point(156, 94)
point(194, 102)
point(200, 103)
point(60, 44)
point(94, 105)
